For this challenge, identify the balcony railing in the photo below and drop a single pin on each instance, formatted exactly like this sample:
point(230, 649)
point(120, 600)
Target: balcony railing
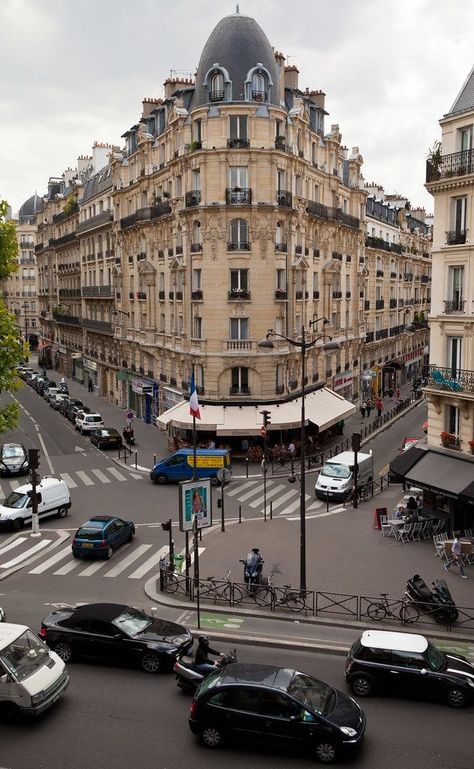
point(393, 303)
point(379, 304)
point(280, 294)
point(239, 344)
point(95, 221)
point(237, 294)
point(298, 250)
point(379, 273)
point(196, 294)
point(367, 304)
point(71, 210)
point(284, 198)
point(98, 325)
point(64, 240)
point(454, 305)
point(71, 320)
point(337, 294)
point(451, 379)
point(455, 237)
point(216, 95)
point(238, 246)
point(145, 214)
point(94, 291)
point(238, 144)
point(315, 294)
point(299, 294)
point(332, 214)
point(425, 278)
point(280, 143)
point(454, 164)
point(369, 337)
point(238, 196)
point(196, 248)
point(69, 293)
point(239, 391)
point(283, 247)
point(259, 95)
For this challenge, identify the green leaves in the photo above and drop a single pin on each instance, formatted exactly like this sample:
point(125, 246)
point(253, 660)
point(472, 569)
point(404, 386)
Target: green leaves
point(11, 348)
point(8, 243)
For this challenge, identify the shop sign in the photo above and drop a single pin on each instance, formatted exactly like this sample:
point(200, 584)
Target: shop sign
point(412, 357)
point(142, 388)
point(368, 375)
point(62, 350)
point(90, 364)
point(170, 398)
point(76, 355)
point(342, 380)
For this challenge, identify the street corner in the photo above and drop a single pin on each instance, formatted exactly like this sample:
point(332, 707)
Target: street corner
point(23, 549)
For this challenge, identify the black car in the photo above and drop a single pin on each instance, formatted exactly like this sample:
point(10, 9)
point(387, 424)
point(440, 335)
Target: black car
point(409, 665)
point(44, 384)
point(13, 459)
point(277, 707)
point(116, 633)
point(106, 438)
point(73, 410)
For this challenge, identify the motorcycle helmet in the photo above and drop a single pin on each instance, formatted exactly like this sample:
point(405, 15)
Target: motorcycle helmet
point(203, 640)
point(256, 550)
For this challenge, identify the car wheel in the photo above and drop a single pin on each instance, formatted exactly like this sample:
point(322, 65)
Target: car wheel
point(151, 663)
point(64, 651)
point(161, 479)
point(212, 737)
point(130, 536)
point(62, 512)
point(325, 752)
point(17, 524)
point(109, 553)
point(456, 697)
point(362, 686)
point(75, 554)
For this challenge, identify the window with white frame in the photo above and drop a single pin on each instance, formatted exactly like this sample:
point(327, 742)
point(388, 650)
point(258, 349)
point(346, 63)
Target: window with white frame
point(259, 87)
point(240, 381)
point(238, 177)
point(458, 215)
point(239, 328)
point(197, 327)
point(281, 279)
point(452, 420)
point(197, 237)
point(280, 376)
point(217, 87)
point(238, 129)
point(239, 280)
point(454, 354)
point(196, 179)
point(465, 138)
point(197, 276)
point(456, 287)
point(239, 234)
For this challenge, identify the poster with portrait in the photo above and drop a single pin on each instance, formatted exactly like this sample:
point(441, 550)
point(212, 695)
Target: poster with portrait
point(195, 500)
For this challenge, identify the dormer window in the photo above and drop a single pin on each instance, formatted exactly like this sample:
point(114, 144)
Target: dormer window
point(218, 83)
point(216, 92)
point(258, 84)
point(259, 87)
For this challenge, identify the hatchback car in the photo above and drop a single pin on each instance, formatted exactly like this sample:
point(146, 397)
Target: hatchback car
point(49, 391)
point(277, 707)
point(73, 410)
point(101, 535)
point(56, 399)
point(106, 438)
point(408, 664)
point(13, 459)
point(44, 384)
point(116, 633)
point(85, 422)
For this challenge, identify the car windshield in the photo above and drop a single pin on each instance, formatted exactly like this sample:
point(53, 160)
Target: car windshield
point(93, 419)
point(12, 451)
point(16, 500)
point(435, 657)
point(311, 693)
point(132, 622)
point(89, 532)
point(24, 655)
point(335, 471)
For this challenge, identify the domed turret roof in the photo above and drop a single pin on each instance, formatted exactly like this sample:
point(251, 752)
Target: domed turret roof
point(237, 44)
point(30, 208)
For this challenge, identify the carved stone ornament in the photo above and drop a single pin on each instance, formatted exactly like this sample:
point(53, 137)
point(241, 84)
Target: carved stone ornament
point(435, 401)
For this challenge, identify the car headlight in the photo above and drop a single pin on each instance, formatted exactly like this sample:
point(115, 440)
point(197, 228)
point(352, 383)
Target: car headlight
point(37, 697)
point(349, 731)
point(470, 682)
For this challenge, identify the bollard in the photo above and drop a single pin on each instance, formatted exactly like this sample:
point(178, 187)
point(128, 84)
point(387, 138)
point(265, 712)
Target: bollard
point(271, 510)
point(125, 456)
point(240, 513)
point(246, 467)
point(154, 612)
point(136, 459)
point(154, 460)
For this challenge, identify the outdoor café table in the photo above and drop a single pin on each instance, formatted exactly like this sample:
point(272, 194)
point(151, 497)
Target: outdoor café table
point(395, 524)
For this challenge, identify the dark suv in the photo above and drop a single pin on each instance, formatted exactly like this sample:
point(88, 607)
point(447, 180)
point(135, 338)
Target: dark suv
point(277, 707)
point(405, 663)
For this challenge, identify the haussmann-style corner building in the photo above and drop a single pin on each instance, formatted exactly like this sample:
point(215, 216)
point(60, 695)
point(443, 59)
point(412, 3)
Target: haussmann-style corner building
point(232, 209)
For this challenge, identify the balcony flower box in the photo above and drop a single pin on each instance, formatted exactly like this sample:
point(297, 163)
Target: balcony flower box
point(449, 440)
point(471, 446)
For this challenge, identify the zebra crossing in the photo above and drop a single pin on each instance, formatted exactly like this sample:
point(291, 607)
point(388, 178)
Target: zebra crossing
point(284, 502)
point(134, 561)
point(76, 479)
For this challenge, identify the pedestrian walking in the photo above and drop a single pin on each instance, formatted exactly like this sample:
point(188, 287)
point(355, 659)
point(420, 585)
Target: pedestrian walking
point(363, 406)
point(369, 406)
point(456, 557)
point(90, 385)
point(379, 407)
point(292, 449)
point(398, 394)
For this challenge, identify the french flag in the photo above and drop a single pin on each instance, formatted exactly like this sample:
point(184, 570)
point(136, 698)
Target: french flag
point(193, 400)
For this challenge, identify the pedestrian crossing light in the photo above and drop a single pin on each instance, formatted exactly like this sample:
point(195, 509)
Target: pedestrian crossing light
point(33, 458)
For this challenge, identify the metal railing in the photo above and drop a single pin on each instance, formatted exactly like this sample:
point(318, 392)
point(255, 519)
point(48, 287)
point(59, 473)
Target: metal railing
point(454, 164)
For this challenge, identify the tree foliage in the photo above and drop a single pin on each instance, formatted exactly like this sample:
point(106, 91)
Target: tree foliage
point(11, 348)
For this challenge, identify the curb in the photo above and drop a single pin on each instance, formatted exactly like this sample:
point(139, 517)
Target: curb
point(61, 537)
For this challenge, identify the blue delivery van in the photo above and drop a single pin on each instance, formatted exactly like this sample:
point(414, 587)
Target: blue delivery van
point(180, 465)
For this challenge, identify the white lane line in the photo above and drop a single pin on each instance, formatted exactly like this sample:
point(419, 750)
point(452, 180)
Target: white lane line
point(289, 509)
point(67, 568)
point(84, 478)
point(270, 493)
point(281, 500)
point(116, 473)
point(69, 482)
point(59, 556)
point(142, 570)
point(24, 556)
point(239, 488)
point(127, 561)
point(17, 542)
point(45, 452)
point(100, 475)
point(134, 475)
point(93, 568)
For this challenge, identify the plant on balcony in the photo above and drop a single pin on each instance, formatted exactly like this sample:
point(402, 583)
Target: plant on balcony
point(280, 293)
point(166, 194)
point(434, 155)
point(448, 439)
point(471, 446)
point(194, 145)
point(70, 205)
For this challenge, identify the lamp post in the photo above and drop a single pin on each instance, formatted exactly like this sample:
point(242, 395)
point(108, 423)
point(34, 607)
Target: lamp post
point(303, 345)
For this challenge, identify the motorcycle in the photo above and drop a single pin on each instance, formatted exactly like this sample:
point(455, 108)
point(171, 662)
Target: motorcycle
point(128, 435)
point(63, 388)
point(189, 677)
point(253, 566)
point(438, 602)
point(3, 616)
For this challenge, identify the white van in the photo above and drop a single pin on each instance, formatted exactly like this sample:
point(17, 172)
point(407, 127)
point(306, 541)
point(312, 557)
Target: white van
point(53, 499)
point(336, 477)
point(32, 677)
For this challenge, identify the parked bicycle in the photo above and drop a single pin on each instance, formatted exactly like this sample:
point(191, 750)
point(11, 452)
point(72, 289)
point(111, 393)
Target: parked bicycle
point(220, 590)
point(408, 613)
point(285, 597)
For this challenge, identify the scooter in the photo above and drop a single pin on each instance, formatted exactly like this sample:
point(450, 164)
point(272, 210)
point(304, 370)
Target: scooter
point(189, 677)
point(128, 435)
point(253, 566)
point(437, 602)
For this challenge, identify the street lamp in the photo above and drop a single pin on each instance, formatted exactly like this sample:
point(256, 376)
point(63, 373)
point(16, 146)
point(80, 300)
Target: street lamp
point(303, 345)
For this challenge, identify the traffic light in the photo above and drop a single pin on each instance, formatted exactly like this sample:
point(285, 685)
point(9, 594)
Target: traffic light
point(219, 503)
point(188, 561)
point(267, 417)
point(33, 458)
point(166, 525)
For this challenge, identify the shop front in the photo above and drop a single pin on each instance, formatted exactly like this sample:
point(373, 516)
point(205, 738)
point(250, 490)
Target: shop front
point(77, 371)
point(414, 362)
point(143, 398)
point(90, 372)
point(169, 398)
point(343, 384)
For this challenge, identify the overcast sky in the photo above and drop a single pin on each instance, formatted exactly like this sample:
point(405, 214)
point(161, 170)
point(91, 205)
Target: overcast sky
point(76, 72)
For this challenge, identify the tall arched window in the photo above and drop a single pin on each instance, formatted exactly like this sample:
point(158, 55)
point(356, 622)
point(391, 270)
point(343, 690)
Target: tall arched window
point(216, 91)
point(239, 235)
point(259, 87)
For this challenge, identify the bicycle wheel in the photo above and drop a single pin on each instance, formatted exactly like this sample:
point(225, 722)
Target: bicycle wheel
point(264, 597)
point(238, 596)
point(294, 602)
point(409, 613)
point(376, 611)
point(170, 583)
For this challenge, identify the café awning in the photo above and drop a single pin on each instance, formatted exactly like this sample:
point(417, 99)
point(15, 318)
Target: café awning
point(322, 407)
point(441, 473)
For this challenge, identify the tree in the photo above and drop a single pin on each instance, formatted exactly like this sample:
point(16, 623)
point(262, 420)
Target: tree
point(11, 348)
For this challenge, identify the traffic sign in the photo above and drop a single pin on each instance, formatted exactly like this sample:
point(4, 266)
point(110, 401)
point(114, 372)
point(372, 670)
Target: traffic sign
point(130, 415)
point(224, 475)
point(263, 432)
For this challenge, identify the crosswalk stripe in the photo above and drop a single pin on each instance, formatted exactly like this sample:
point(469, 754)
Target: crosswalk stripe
point(93, 568)
point(51, 561)
point(270, 493)
point(24, 556)
point(69, 482)
point(140, 550)
point(281, 500)
point(240, 487)
point(142, 570)
point(17, 542)
point(100, 475)
point(251, 493)
point(294, 506)
point(69, 566)
point(116, 474)
point(84, 478)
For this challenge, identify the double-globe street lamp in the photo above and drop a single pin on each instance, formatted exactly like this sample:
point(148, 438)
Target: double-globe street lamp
point(303, 344)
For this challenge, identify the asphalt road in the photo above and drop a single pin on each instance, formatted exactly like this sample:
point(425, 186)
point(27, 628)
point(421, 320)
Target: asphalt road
point(113, 718)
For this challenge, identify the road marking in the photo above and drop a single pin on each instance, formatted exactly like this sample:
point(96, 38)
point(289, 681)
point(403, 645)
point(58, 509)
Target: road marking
point(220, 621)
point(14, 484)
point(84, 478)
point(67, 568)
point(69, 482)
point(31, 551)
point(127, 561)
point(249, 494)
point(140, 572)
point(137, 477)
point(17, 542)
point(270, 493)
point(79, 448)
point(281, 500)
point(116, 474)
point(294, 506)
point(93, 568)
point(240, 488)
point(100, 475)
point(51, 561)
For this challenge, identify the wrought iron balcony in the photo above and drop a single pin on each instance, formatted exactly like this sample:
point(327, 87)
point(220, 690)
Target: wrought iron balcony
point(425, 278)
point(283, 247)
point(298, 250)
point(393, 303)
point(69, 211)
point(216, 95)
point(98, 325)
point(238, 196)
point(94, 221)
point(141, 294)
point(337, 294)
point(280, 293)
point(367, 304)
point(97, 291)
point(315, 294)
point(145, 214)
point(379, 304)
point(70, 320)
point(192, 198)
point(454, 164)
point(280, 143)
point(239, 391)
point(196, 247)
point(393, 275)
point(454, 305)
point(451, 379)
point(64, 240)
point(369, 337)
point(237, 294)
point(299, 295)
point(161, 296)
point(379, 273)
point(455, 237)
point(259, 95)
point(284, 198)
point(238, 144)
point(238, 246)
point(197, 294)
point(332, 214)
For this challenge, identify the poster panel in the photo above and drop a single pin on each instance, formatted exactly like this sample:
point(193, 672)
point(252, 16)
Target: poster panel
point(195, 500)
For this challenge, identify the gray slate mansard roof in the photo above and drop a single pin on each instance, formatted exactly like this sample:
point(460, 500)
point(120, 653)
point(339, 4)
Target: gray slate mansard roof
point(238, 44)
point(465, 99)
point(30, 208)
